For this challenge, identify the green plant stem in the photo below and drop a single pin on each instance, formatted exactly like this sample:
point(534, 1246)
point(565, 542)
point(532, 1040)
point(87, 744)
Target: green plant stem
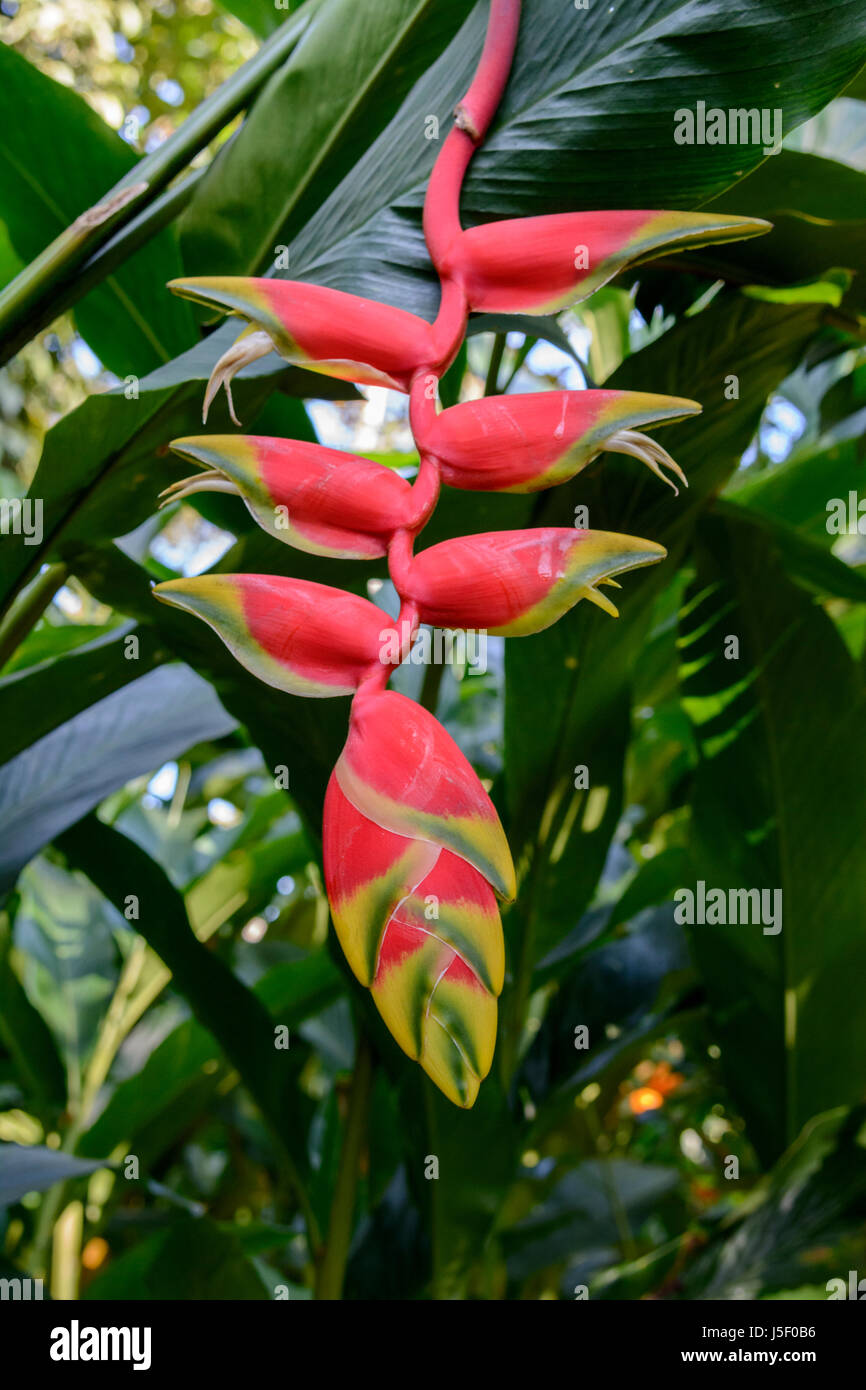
point(25, 614)
point(332, 1267)
point(32, 295)
point(128, 239)
point(617, 1206)
point(490, 385)
point(429, 696)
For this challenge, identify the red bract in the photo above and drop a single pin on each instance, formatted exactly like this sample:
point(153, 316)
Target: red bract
point(324, 330)
point(524, 443)
point(420, 927)
point(308, 639)
point(538, 265)
point(319, 500)
point(413, 848)
point(402, 770)
point(514, 583)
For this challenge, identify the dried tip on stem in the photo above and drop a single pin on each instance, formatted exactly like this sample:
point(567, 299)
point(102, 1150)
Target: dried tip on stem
point(641, 446)
point(249, 347)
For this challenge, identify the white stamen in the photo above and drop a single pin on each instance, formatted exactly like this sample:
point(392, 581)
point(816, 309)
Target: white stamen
point(249, 347)
point(640, 446)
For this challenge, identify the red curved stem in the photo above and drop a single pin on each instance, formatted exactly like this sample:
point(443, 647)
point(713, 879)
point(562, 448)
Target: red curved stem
point(473, 116)
point(441, 225)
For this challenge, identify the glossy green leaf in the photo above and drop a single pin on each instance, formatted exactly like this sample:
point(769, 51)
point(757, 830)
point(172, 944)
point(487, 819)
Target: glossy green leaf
point(262, 16)
point(104, 464)
point(818, 210)
point(56, 689)
point(337, 91)
point(799, 492)
point(587, 121)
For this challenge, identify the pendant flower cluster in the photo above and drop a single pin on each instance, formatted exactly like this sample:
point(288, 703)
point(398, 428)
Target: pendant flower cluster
point(415, 855)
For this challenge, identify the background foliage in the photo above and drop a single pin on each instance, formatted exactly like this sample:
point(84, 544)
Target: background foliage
point(139, 762)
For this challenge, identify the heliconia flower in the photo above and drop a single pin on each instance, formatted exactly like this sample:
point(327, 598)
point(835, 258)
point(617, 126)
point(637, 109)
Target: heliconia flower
point(420, 928)
point(324, 330)
point(307, 639)
point(513, 583)
point(316, 499)
point(401, 769)
point(539, 265)
point(524, 443)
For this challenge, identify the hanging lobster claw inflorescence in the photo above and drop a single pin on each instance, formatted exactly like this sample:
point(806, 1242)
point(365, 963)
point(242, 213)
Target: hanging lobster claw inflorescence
point(415, 856)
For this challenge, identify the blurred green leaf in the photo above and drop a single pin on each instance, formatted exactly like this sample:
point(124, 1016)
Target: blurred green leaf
point(262, 16)
point(778, 811)
point(193, 1259)
point(59, 688)
point(813, 1198)
point(798, 491)
point(221, 1003)
point(26, 1037)
point(586, 1213)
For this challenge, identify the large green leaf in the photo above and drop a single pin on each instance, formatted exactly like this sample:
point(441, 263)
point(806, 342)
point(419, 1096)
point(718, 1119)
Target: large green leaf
point(262, 16)
point(814, 1195)
point(58, 159)
point(568, 689)
point(584, 1214)
point(236, 1017)
point(803, 558)
point(587, 121)
point(798, 491)
point(344, 82)
point(65, 939)
point(778, 806)
point(818, 210)
point(68, 771)
point(36, 700)
point(179, 1069)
